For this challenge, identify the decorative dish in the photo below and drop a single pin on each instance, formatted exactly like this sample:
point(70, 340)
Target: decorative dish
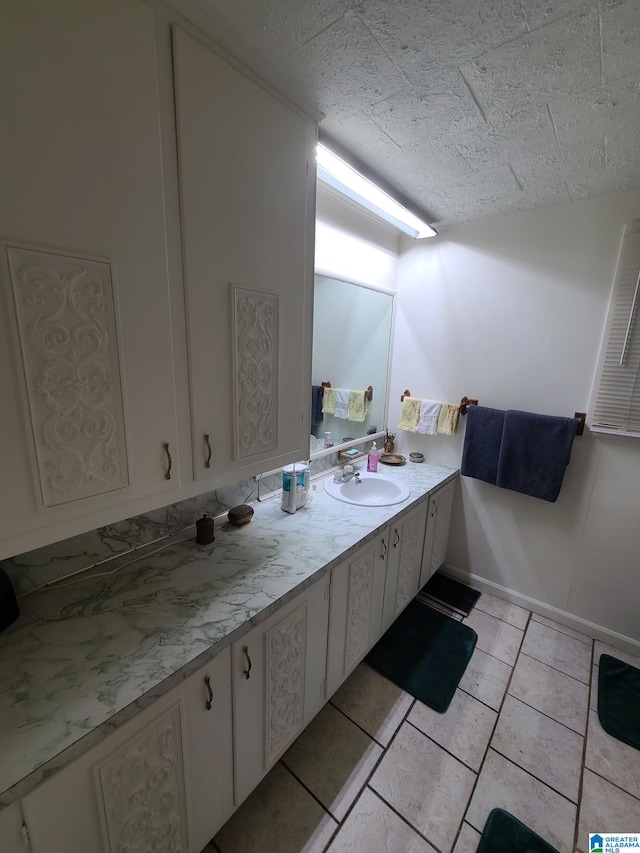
point(393, 459)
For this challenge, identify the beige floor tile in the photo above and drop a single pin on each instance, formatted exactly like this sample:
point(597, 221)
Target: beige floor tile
point(504, 610)
point(570, 632)
point(605, 808)
point(333, 758)
point(555, 694)
point(605, 649)
point(609, 757)
point(424, 784)
point(468, 840)
point(486, 678)
point(548, 750)
point(504, 785)
point(373, 702)
point(373, 826)
point(495, 637)
point(279, 815)
point(571, 656)
point(464, 730)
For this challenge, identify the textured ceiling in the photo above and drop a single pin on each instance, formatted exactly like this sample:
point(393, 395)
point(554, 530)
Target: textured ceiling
point(468, 108)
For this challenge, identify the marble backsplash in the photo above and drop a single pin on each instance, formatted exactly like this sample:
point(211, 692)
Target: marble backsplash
point(43, 565)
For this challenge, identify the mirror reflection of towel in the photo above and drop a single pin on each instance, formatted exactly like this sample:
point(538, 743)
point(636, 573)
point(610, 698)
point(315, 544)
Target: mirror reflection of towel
point(329, 401)
point(316, 407)
point(358, 406)
point(342, 403)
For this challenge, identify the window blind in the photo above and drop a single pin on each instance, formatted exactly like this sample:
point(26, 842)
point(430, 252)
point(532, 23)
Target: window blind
point(617, 404)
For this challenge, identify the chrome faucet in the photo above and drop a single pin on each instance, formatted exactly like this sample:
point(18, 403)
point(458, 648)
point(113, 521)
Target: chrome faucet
point(346, 474)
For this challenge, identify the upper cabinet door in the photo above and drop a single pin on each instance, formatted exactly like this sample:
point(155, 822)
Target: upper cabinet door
point(247, 189)
point(87, 384)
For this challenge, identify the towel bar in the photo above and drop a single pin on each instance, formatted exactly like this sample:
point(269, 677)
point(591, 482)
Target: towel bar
point(368, 393)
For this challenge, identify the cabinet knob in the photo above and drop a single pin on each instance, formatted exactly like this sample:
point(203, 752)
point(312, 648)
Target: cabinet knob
point(247, 671)
point(209, 703)
point(167, 476)
point(207, 463)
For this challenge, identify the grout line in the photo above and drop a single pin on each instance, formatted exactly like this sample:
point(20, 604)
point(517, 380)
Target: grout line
point(584, 754)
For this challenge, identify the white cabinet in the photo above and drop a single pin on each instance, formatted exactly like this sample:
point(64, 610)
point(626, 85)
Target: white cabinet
point(437, 532)
point(279, 672)
point(357, 592)
point(162, 781)
point(88, 416)
point(247, 191)
point(405, 540)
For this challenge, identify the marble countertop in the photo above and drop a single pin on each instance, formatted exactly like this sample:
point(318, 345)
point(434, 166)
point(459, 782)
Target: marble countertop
point(84, 658)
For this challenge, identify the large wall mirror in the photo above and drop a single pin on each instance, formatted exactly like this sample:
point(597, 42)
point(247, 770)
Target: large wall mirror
point(351, 346)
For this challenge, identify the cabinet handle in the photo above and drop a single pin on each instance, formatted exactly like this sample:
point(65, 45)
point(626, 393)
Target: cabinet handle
point(384, 550)
point(207, 463)
point(435, 509)
point(395, 544)
point(247, 671)
point(167, 476)
point(209, 701)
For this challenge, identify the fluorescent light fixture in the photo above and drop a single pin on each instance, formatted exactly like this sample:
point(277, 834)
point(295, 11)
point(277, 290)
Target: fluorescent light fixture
point(343, 178)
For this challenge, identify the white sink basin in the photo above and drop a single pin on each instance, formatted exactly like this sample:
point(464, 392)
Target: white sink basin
point(372, 490)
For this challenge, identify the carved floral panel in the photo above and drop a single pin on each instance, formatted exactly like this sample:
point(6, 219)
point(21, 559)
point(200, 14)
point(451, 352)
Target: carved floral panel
point(359, 605)
point(142, 789)
point(256, 371)
point(286, 646)
point(68, 348)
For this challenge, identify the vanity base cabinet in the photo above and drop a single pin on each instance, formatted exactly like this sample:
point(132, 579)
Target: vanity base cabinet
point(160, 782)
point(437, 532)
point(355, 621)
point(405, 539)
point(278, 674)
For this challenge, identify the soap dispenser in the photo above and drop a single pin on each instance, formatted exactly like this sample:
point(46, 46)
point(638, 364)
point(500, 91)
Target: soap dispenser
point(372, 459)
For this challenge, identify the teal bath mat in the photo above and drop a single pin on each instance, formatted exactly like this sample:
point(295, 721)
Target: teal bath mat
point(619, 700)
point(504, 833)
point(426, 653)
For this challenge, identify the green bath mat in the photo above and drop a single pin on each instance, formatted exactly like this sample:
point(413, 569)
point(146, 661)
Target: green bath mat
point(504, 833)
point(619, 700)
point(425, 653)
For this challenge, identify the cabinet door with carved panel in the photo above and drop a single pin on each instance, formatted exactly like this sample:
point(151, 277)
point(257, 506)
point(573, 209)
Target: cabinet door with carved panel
point(279, 670)
point(406, 543)
point(247, 189)
point(437, 532)
point(357, 592)
point(88, 408)
point(162, 782)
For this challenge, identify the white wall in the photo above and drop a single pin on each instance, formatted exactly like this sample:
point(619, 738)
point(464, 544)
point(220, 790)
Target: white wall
point(511, 310)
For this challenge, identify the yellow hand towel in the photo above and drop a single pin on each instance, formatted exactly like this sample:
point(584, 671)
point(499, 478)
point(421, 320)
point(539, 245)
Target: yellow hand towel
point(358, 406)
point(329, 401)
point(410, 414)
point(448, 419)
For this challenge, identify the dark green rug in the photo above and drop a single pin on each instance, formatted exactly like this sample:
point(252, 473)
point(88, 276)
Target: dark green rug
point(504, 833)
point(619, 700)
point(425, 653)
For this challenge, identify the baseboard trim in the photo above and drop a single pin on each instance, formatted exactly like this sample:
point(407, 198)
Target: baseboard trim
point(598, 632)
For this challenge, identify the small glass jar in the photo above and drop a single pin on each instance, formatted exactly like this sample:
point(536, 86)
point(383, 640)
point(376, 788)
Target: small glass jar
point(328, 440)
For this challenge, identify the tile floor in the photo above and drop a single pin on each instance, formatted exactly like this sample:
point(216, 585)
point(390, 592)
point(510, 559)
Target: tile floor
point(380, 772)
